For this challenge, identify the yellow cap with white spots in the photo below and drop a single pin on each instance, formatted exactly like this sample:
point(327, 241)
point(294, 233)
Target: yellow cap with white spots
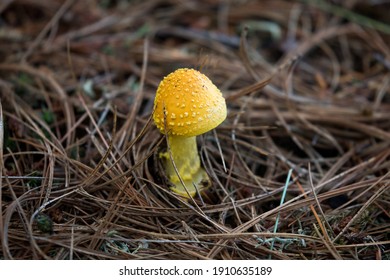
point(187, 104)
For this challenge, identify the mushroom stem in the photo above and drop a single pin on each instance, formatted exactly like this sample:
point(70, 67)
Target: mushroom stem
point(185, 156)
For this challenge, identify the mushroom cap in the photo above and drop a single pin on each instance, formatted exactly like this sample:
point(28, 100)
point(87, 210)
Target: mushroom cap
point(187, 104)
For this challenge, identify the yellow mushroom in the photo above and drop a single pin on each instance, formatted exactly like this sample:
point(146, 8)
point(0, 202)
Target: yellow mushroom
point(187, 104)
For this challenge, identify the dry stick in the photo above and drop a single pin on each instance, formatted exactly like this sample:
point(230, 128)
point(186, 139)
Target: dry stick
point(281, 203)
point(261, 83)
point(244, 54)
point(249, 89)
point(386, 212)
point(381, 190)
point(220, 150)
point(328, 242)
point(318, 203)
point(51, 175)
point(139, 96)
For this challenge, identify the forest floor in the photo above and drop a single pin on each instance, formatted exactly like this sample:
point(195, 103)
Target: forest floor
point(299, 168)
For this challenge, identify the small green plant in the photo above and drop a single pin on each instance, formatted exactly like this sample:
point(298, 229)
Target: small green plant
point(44, 223)
point(48, 116)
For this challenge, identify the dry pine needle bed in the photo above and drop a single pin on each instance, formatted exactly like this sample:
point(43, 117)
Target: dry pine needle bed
point(299, 168)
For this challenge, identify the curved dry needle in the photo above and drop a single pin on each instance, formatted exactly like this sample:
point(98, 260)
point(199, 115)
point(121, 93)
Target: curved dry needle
point(281, 203)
